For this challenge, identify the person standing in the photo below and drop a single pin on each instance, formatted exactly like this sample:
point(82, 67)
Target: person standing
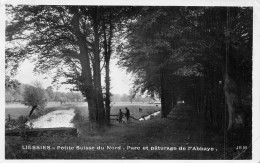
point(120, 116)
point(127, 114)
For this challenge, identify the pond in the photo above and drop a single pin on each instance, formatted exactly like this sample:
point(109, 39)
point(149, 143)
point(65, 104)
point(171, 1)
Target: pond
point(150, 116)
point(54, 119)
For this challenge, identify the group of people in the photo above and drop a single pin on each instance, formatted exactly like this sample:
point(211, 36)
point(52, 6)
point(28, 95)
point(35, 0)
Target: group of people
point(125, 115)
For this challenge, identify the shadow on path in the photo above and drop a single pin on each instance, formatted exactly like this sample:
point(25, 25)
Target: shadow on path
point(181, 130)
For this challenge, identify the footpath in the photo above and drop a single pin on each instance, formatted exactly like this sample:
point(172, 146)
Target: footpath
point(190, 130)
point(179, 136)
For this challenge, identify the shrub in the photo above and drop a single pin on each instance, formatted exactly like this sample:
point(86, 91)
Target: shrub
point(19, 123)
point(34, 97)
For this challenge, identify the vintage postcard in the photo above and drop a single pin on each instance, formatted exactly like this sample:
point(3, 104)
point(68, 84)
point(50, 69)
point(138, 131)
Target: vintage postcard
point(121, 81)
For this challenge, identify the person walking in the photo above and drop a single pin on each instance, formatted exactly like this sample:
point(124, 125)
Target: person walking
point(127, 114)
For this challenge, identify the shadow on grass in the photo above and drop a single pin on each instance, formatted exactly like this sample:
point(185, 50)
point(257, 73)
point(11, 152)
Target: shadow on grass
point(115, 141)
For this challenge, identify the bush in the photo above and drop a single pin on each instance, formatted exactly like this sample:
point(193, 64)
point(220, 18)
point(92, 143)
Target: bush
point(19, 123)
point(34, 97)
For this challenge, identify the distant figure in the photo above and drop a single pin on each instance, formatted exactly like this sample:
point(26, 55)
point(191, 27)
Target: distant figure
point(120, 116)
point(140, 109)
point(127, 114)
point(156, 106)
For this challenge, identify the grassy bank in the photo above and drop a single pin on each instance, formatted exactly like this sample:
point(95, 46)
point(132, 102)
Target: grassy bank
point(19, 116)
point(117, 141)
point(158, 138)
point(17, 110)
point(91, 135)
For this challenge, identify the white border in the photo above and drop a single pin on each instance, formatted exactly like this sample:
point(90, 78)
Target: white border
point(137, 2)
point(256, 58)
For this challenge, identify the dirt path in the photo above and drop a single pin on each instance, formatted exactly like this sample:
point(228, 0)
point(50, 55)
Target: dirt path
point(181, 129)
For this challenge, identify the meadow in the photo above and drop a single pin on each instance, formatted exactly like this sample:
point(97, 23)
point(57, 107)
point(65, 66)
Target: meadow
point(17, 110)
point(134, 108)
point(90, 134)
point(117, 140)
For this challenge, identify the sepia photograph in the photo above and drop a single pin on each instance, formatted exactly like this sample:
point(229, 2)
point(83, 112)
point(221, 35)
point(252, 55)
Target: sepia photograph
point(124, 82)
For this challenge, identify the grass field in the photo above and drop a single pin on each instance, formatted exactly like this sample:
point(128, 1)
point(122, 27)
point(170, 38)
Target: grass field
point(133, 108)
point(81, 110)
point(90, 134)
point(122, 140)
point(116, 141)
point(16, 110)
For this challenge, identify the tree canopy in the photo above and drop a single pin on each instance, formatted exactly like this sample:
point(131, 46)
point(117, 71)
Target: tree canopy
point(200, 54)
point(70, 40)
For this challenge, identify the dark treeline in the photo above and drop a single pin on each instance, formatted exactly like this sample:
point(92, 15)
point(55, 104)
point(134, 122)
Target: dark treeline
point(202, 55)
point(76, 42)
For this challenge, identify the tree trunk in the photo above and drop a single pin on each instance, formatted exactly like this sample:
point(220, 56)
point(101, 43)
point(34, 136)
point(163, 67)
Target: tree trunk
point(86, 82)
point(107, 93)
point(107, 78)
point(87, 87)
point(231, 99)
point(92, 109)
point(107, 55)
point(33, 108)
point(165, 95)
point(230, 88)
point(100, 117)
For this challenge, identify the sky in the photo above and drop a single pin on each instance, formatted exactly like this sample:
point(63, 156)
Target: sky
point(120, 80)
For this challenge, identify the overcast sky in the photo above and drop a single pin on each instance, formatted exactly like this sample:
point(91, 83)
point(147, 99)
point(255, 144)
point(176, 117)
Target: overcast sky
point(120, 80)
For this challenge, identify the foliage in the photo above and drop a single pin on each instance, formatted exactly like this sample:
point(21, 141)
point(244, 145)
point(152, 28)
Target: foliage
point(50, 92)
point(200, 54)
point(34, 97)
point(14, 93)
point(156, 49)
point(72, 40)
point(12, 90)
point(192, 53)
point(19, 123)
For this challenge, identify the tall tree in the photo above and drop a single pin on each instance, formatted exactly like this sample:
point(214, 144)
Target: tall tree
point(193, 51)
point(66, 38)
point(34, 97)
point(72, 40)
point(114, 21)
point(227, 36)
point(154, 52)
point(107, 37)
